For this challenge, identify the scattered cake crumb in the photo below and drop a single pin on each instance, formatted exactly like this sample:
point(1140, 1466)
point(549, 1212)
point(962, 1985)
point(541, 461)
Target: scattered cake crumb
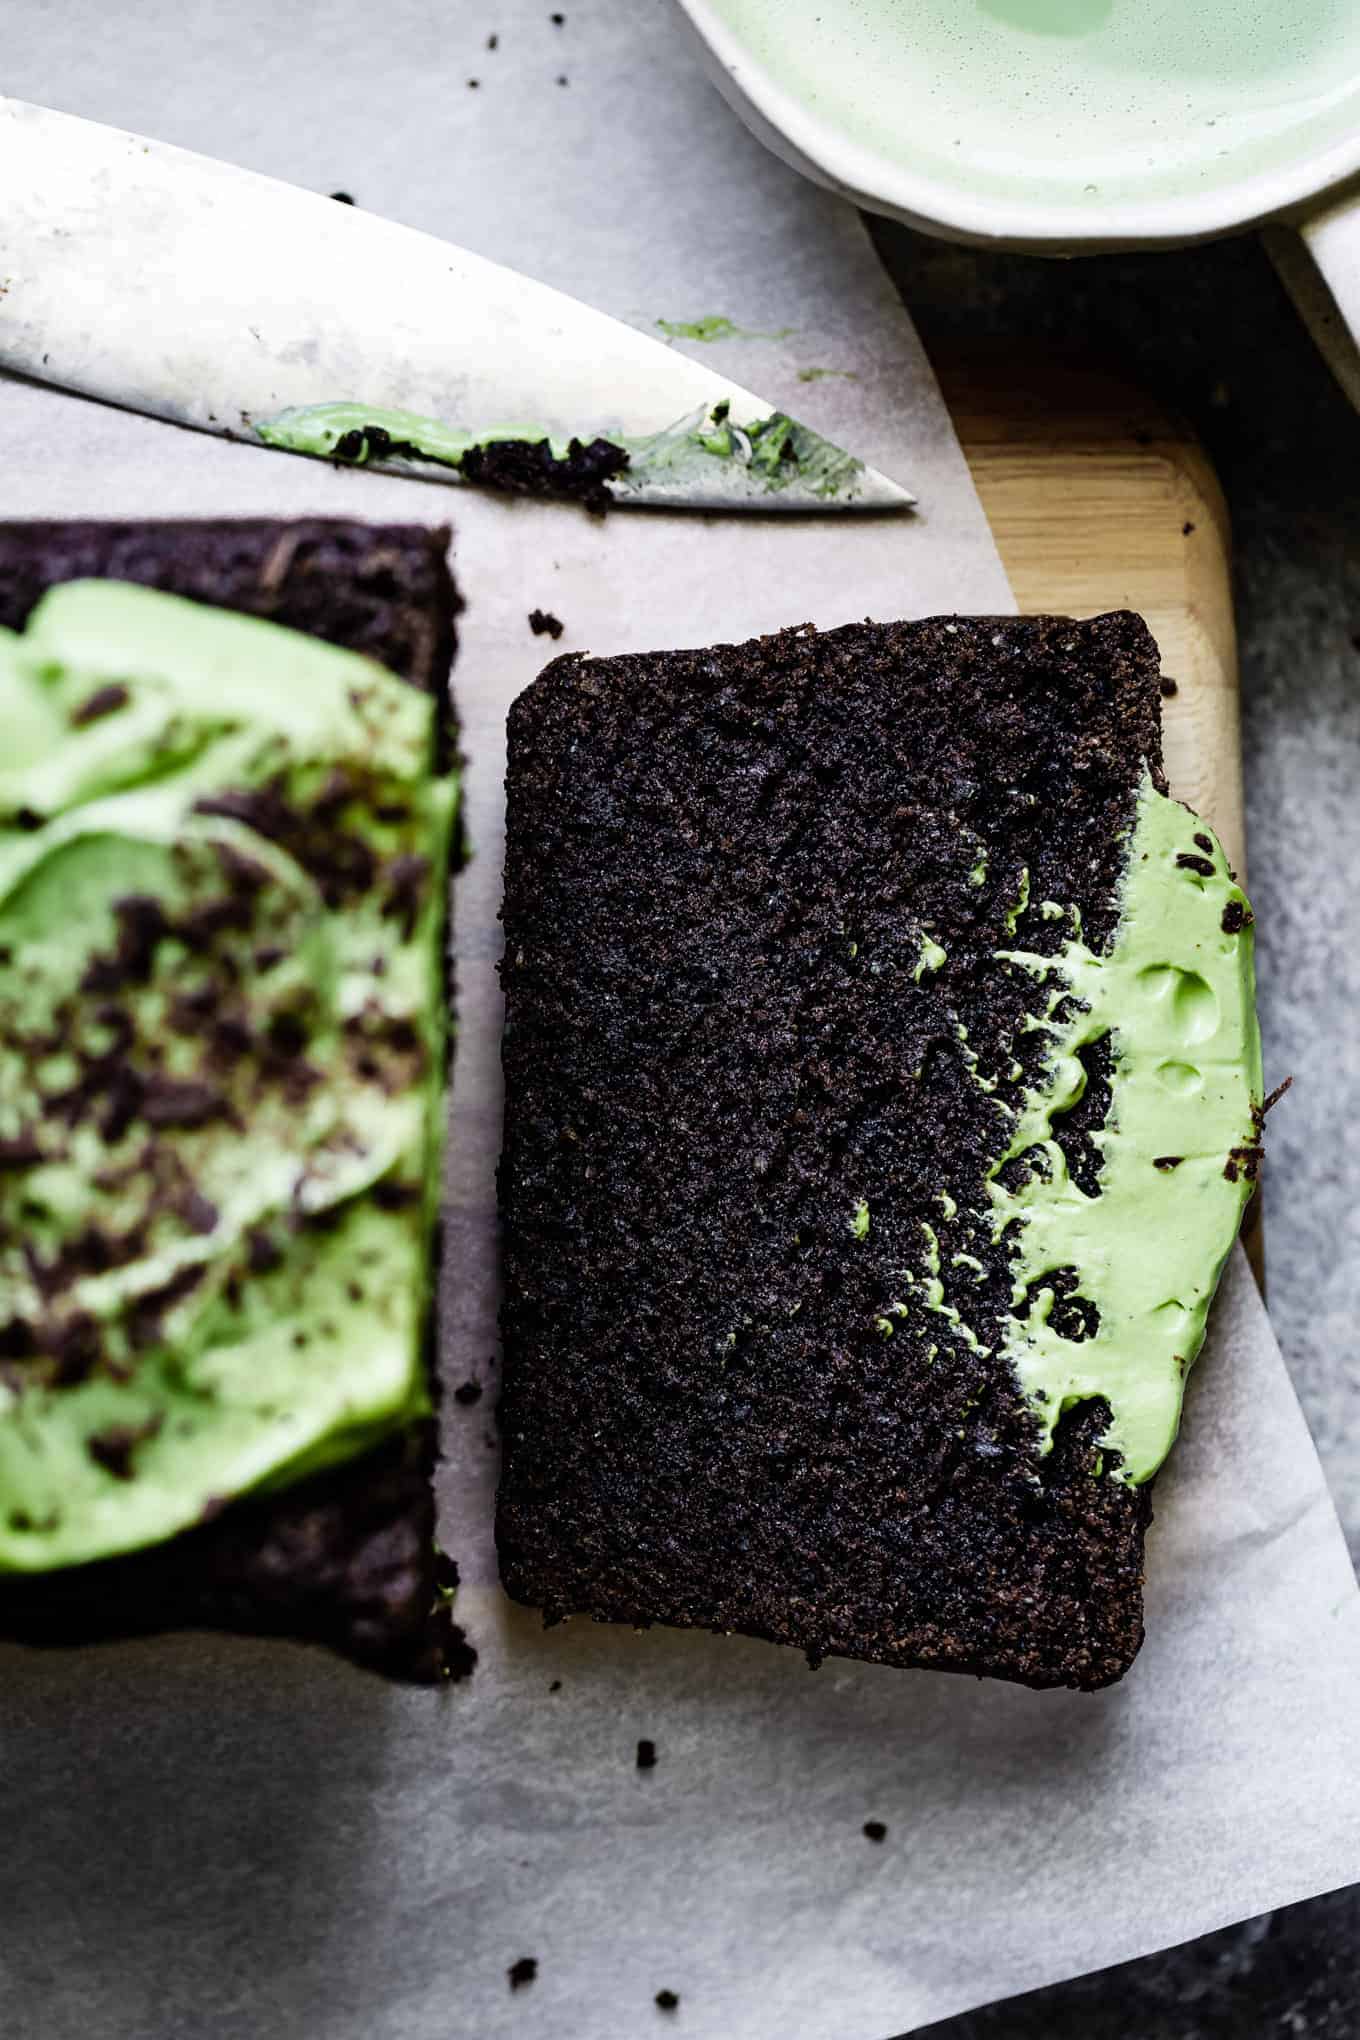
point(342, 198)
point(543, 623)
point(467, 1393)
point(668, 2000)
point(522, 1972)
point(875, 1831)
point(555, 1686)
point(114, 1449)
point(1187, 528)
point(646, 1754)
point(1273, 1100)
point(493, 42)
point(1169, 688)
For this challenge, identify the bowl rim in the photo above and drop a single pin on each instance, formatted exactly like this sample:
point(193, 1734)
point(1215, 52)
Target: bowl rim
point(936, 205)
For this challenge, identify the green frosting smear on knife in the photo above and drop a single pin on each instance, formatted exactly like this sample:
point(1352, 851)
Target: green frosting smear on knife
point(223, 854)
point(705, 451)
point(717, 326)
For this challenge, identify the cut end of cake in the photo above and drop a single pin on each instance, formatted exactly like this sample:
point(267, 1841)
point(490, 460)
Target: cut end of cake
point(835, 965)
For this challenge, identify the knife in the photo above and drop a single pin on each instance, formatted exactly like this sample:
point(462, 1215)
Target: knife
point(167, 282)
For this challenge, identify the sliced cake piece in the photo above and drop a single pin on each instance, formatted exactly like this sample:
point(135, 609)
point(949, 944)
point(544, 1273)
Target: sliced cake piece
point(883, 1092)
point(226, 816)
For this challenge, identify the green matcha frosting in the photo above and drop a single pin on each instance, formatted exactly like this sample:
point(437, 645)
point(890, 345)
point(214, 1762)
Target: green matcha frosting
point(223, 855)
point(1174, 995)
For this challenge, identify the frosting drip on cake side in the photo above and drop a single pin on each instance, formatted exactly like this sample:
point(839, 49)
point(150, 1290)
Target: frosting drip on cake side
point(1110, 1285)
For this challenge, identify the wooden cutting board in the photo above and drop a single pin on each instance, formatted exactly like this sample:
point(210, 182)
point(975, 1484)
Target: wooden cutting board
point(1099, 499)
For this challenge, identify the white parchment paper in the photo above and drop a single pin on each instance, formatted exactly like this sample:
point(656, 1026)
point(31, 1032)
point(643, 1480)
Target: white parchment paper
point(211, 1837)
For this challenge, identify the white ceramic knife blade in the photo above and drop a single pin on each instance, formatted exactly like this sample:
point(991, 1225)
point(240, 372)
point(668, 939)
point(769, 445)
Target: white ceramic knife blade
point(167, 282)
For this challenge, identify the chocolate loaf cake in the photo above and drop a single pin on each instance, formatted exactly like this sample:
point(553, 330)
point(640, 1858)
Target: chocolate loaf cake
point(882, 1094)
point(226, 814)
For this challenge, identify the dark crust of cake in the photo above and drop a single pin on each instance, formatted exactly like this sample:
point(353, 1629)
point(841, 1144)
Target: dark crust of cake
point(382, 589)
point(719, 1041)
point(348, 1558)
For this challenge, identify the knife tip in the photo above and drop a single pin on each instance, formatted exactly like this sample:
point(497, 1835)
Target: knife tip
point(877, 491)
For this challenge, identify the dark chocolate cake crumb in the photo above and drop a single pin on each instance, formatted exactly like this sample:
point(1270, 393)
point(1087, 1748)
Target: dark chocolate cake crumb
point(668, 2000)
point(20, 1151)
point(1235, 918)
point(1243, 1164)
point(875, 1831)
point(262, 1253)
point(467, 1393)
point(75, 1346)
point(555, 1686)
point(646, 1754)
point(519, 467)
point(1168, 688)
point(493, 42)
point(543, 623)
point(515, 467)
point(199, 1213)
point(342, 198)
point(113, 1447)
point(102, 702)
point(1167, 1162)
point(522, 1972)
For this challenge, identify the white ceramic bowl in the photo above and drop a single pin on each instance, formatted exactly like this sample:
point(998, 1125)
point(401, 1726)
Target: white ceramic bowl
point(964, 120)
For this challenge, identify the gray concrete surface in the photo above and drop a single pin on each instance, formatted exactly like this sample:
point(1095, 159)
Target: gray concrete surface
point(1211, 332)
